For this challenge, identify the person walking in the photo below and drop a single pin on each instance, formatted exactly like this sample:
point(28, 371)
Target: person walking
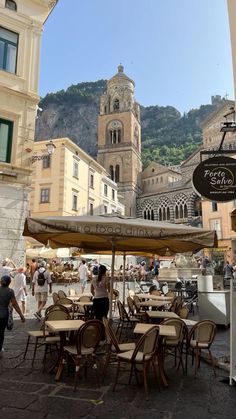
point(7, 297)
point(83, 275)
point(7, 267)
point(99, 288)
point(228, 273)
point(41, 281)
point(33, 269)
point(19, 287)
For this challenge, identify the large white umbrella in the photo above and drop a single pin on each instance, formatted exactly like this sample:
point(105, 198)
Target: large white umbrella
point(118, 233)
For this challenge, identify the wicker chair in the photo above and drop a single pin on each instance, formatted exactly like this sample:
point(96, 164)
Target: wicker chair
point(124, 320)
point(61, 294)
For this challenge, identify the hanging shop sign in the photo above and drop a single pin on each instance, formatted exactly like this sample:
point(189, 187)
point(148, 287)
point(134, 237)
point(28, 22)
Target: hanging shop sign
point(215, 179)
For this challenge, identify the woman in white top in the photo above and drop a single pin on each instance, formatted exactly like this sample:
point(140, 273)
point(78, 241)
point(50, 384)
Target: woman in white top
point(99, 289)
point(19, 287)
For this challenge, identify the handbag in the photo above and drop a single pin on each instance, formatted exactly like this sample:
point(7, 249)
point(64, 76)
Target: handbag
point(10, 318)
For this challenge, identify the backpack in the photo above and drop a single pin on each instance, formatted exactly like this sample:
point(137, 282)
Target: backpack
point(95, 270)
point(41, 279)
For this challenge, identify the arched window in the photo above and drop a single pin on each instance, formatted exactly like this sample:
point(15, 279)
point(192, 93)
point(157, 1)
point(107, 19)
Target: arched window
point(152, 214)
point(116, 105)
point(112, 172)
point(10, 4)
point(144, 215)
point(176, 212)
point(160, 215)
point(185, 211)
point(168, 214)
point(117, 173)
point(114, 132)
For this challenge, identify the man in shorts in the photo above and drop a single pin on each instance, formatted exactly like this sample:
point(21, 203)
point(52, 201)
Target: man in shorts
point(41, 290)
point(83, 275)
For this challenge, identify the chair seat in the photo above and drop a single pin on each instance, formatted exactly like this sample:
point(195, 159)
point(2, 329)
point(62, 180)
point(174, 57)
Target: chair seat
point(128, 346)
point(201, 345)
point(126, 356)
point(171, 342)
point(84, 351)
point(52, 339)
point(37, 333)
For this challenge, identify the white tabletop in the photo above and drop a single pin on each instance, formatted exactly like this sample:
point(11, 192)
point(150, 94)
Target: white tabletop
point(152, 303)
point(64, 325)
point(189, 322)
point(162, 314)
point(164, 330)
point(154, 297)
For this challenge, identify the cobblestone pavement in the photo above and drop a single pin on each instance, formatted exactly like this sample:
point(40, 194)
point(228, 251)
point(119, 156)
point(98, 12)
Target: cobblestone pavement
point(28, 392)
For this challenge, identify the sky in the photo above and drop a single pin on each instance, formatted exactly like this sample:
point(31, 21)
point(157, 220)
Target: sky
point(178, 52)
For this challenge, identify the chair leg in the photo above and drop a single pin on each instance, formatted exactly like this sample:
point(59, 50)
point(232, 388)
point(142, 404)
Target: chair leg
point(131, 373)
point(116, 377)
point(35, 350)
point(108, 357)
point(145, 367)
point(77, 369)
point(26, 348)
point(196, 360)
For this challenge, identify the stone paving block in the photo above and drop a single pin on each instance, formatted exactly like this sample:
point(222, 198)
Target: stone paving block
point(19, 386)
point(8, 413)
point(19, 400)
point(61, 406)
point(86, 394)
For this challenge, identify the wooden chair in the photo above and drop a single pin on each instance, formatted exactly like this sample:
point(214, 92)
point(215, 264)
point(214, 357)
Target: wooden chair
point(201, 337)
point(114, 347)
point(142, 356)
point(61, 294)
point(175, 343)
point(55, 297)
point(133, 312)
point(124, 320)
point(183, 312)
point(43, 337)
point(84, 349)
point(85, 298)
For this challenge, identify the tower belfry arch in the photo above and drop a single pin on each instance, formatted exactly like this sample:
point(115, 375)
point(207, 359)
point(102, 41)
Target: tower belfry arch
point(119, 137)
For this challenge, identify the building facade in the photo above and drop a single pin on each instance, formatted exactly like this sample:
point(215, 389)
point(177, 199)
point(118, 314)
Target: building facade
point(70, 182)
point(21, 23)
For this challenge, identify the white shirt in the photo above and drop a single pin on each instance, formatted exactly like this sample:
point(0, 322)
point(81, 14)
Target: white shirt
point(83, 272)
point(5, 270)
point(44, 287)
point(18, 285)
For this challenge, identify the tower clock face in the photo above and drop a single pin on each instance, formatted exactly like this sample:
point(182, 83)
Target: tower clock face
point(115, 124)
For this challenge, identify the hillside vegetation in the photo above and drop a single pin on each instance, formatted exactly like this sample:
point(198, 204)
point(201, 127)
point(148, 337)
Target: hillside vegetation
point(167, 136)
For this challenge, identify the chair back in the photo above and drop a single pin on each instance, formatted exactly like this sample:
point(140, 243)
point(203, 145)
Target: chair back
point(55, 297)
point(176, 304)
point(61, 294)
point(183, 312)
point(72, 292)
point(111, 337)
point(131, 305)
point(122, 312)
point(204, 332)
point(147, 344)
point(180, 329)
point(85, 298)
point(56, 307)
point(155, 292)
point(57, 312)
point(64, 300)
point(89, 336)
point(136, 301)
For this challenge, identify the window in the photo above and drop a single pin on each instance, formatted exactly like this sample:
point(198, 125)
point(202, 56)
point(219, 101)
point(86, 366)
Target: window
point(117, 173)
point(74, 201)
point(113, 194)
point(105, 209)
point(105, 190)
point(44, 195)
point(10, 4)
point(6, 132)
point(116, 105)
point(8, 50)
point(90, 209)
point(47, 162)
point(75, 169)
point(112, 172)
point(91, 181)
point(214, 206)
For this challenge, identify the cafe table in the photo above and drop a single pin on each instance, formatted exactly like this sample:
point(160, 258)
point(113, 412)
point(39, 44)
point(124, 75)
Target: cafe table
point(164, 331)
point(162, 315)
point(78, 296)
point(152, 303)
point(189, 322)
point(62, 327)
point(147, 296)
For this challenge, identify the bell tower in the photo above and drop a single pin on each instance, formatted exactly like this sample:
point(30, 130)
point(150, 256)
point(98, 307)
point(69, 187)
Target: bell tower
point(119, 138)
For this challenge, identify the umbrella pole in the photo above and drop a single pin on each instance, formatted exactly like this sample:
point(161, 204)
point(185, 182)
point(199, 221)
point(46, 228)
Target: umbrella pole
point(124, 261)
point(112, 278)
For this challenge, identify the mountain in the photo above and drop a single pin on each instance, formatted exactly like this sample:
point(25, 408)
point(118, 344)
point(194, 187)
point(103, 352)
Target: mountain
point(167, 136)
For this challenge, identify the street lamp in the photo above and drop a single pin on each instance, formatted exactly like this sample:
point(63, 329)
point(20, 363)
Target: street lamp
point(50, 150)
